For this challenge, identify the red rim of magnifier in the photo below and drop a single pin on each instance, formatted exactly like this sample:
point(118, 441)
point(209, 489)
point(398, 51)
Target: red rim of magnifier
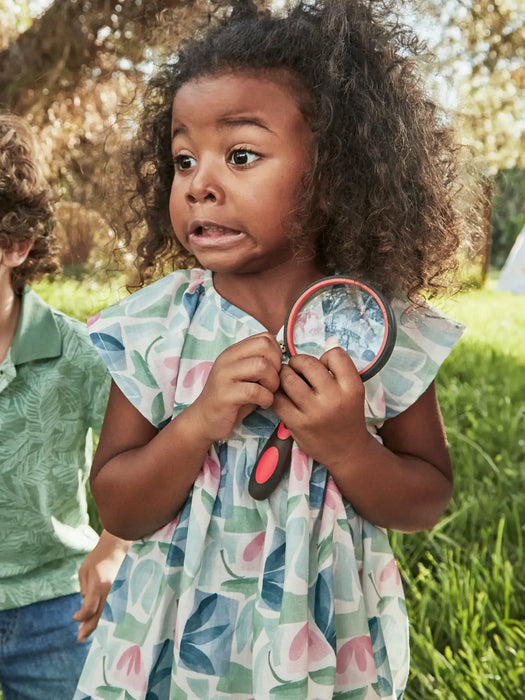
point(388, 342)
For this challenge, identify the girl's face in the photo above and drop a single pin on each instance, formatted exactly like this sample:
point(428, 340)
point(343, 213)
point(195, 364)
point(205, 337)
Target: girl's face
point(241, 147)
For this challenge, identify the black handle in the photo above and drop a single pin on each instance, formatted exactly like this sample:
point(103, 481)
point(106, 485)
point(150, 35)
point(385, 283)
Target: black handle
point(271, 464)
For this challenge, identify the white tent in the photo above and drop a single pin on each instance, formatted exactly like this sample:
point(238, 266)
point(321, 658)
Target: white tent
point(512, 276)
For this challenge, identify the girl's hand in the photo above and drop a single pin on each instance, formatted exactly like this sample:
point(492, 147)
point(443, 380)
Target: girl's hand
point(321, 402)
point(244, 376)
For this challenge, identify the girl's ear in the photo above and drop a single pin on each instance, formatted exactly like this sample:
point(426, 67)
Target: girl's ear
point(17, 254)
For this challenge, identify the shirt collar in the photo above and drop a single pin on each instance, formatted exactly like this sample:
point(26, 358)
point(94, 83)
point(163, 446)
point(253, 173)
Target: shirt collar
point(37, 336)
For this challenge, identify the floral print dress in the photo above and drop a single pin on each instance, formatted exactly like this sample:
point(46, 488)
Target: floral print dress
point(292, 597)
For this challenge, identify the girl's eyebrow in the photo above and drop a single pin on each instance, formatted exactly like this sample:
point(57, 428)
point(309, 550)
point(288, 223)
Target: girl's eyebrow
point(241, 120)
point(228, 122)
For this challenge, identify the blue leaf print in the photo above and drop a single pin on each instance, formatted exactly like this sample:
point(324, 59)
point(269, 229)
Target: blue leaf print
point(175, 556)
point(272, 594)
point(159, 677)
point(195, 659)
point(324, 610)
point(275, 561)
point(205, 635)
point(373, 626)
point(110, 347)
point(273, 578)
point(191, 301)
point(201, 616)
point(106, 341)
point(384, 686)
point(317, 485)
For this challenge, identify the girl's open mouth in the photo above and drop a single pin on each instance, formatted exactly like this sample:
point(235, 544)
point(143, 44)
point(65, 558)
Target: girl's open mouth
point(212, 234)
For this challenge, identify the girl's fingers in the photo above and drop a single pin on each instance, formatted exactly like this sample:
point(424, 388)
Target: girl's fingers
point(307, 379)
point(307, 373)
point(261, 345)
point(341, 366)
point(257, 369)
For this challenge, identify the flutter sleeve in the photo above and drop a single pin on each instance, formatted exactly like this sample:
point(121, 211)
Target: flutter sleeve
point(140, 340)
point(425, 338)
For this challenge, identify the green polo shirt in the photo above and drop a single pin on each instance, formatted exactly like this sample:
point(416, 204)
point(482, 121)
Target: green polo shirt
point(53, 389)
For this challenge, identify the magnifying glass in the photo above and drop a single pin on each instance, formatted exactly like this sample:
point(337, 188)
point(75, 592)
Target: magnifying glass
point(333, 310)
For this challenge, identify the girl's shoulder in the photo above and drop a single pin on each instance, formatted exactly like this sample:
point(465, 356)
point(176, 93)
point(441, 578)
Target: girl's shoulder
point(158, 300)
point(425, 338)
point(140, 339)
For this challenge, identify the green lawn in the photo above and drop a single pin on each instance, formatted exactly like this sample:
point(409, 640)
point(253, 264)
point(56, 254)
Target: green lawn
point(465, 579)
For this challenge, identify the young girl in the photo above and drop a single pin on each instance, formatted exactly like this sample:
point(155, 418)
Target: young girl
point(274, 150)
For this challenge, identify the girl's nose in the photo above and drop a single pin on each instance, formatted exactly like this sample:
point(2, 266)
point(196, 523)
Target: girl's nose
point(204, 186)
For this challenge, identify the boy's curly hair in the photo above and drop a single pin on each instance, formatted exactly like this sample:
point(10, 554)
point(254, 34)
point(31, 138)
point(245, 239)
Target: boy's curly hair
point(381, 199)
point(26, 203)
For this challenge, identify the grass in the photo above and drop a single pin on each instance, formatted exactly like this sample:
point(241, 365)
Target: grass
point(465, 579)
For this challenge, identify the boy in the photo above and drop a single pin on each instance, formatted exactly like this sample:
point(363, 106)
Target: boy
point(53, 389)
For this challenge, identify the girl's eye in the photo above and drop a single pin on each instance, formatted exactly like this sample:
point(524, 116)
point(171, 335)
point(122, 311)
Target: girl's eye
point(184, 162)
point(242, 156)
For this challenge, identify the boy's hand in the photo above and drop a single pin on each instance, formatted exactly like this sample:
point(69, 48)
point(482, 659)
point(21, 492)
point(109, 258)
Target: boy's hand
point(96, 576)
point(321, 402)
point(244, 376)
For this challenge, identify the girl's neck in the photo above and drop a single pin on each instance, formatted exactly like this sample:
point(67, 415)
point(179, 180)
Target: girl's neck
point(267, 295)
point(10, 306)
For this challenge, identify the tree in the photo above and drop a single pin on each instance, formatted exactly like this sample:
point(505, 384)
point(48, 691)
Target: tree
point(71, 71)
point(480, 49)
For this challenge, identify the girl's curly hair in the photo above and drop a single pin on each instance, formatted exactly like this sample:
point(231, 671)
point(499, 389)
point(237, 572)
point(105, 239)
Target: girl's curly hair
point(381, 199)
point(26, 203)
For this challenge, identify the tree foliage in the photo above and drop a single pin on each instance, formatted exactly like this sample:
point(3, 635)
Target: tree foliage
point(73, 71)
point(76, 73)
point(480, 49)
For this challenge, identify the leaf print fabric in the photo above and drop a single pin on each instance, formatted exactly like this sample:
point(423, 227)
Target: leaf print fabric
point(292, 597)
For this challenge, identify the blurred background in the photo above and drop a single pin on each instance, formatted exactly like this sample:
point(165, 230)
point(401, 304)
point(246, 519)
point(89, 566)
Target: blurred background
point(76, 69)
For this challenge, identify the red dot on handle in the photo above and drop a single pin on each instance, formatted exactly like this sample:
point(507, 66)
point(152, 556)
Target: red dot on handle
point(266, 465)
point(282, 432)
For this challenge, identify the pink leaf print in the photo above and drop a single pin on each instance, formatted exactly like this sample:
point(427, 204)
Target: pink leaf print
point(198, 374)
point(254, 548)
point(131, 664)
point(197, 278)
point(389, 571)
point(299, 643)
point(308, 639)
point(173, 363)
point(358, 650)
point(299, 464)
point(91, 319)
point(332, 497)
point(210, 474)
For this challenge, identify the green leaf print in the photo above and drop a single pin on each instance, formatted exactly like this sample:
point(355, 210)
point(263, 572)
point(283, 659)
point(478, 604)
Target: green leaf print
point(200, 687)
point(356, 694)
point(157, 409)
point(237, 680)
point(290, 690)
point(383, 687)
point(108, 693)
point(143, 584)
point(246, 586)
point(324, 676)
point(384, 602)
point(142, 371)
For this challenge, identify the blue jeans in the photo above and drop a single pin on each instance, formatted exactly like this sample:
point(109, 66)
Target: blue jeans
point(40, 658)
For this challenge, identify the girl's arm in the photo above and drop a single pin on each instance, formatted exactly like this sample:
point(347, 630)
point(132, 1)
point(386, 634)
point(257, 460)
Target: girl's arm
point(404, 484)
point(140, 476)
